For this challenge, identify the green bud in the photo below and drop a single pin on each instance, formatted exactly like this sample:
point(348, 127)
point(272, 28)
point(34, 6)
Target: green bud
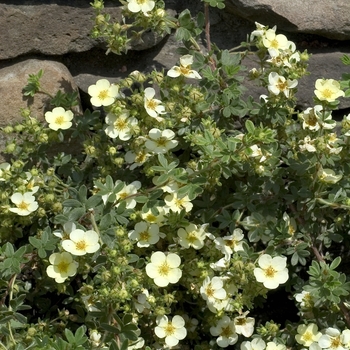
point(120, 232)
point(133, 216)
point(123, 294)
point(106, 275)
point(195, 95)
point(44, 138)
point(18, 164)
point(116, 270)
point(31, 331)
point(10, 148)
point(19, 127)
point(50, 171)
point(25, 112)
point(57, 207)
point(134, 283)
point(52, 183)
point(41, 212)
point(100, 19)
point(8, 129)
point(160, 311)
point(112, 151)
point(50, 197)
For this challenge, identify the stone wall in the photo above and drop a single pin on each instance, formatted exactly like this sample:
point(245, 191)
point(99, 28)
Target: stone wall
point(54, 35)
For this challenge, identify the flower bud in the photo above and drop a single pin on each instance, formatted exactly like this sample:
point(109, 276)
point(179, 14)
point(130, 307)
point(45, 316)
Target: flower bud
point(8, 129)
point(41, 212)
point(18, 164)
point(50, 171)
point(57, 207)
point(19, 127)
point(44, 138)
point(50, 197)
point(138, 76)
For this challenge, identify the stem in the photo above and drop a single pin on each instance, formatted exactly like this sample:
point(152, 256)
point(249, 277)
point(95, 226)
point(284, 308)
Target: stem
point(207, 26)
point(11, 284)
point(3, 345)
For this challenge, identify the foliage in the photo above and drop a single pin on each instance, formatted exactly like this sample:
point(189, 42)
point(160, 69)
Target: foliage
point(179, 207)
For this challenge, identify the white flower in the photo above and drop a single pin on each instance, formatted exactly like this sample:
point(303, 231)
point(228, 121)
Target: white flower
point(328, 90)
point(30, 182)
point(164, 269)
point(331, 340)
point(221, 264)
point(255, 344)
point(81, 242)
point(305, 299)
point(121, 126)
point(137, 344)
point(278, 84)
point(328, 176)
point(68, 227)
point(184, 69)
point(142, 302)
point(89, 302)
point(136, 159)
point(59, 118)
point(212, 289)
point(140, 5)
point(275, 43)
point(273, 346)
point(95, 338)
point(145, 234)
point(4, 168)
point(172, 331)
point(62, 266)
point(127, 194)
point(103, 93)
point(272, 271)
point(153, 106)
point(192, 236)
point(257, 153)
point(160, 141)
point(244, 325)
point(313, 119)
point(225, 329)
point(25, 203)
point(229, 244)
point(307, 144)
point(176, 204)
point(307, 334)
point(152, 218)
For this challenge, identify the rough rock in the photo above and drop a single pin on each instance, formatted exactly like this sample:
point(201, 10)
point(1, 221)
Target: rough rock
point(322, 17)
point(13, 79)
point(319, 67)
point(54, 28)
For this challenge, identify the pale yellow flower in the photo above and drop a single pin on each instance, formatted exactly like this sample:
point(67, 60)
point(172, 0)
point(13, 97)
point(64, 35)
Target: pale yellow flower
point(103, 93)
point(59, 118)
point(25, 203)
point(62, 266)
point(328, 90)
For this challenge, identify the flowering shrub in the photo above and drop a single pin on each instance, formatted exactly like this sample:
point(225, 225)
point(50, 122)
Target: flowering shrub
point(180, 214)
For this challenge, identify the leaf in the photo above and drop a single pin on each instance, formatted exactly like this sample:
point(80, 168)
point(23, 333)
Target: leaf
point(250, 126)
point(69, 335)
point(335, 263)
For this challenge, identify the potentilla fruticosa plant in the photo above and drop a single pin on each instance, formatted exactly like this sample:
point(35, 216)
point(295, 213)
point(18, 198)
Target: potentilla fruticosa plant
point(178, 213)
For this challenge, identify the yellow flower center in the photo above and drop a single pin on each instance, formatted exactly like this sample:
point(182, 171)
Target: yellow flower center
point(140, 157)
point(162, 141)
point(185, 70)
point(169, 329)
point(151, 104)
point(140, 2)
point(63, 267)
point(282, 85)
point(81, 245)
point(307, 336)
point(103, 94)
point(59, 120)
point(327, 93)
point(230, 243)
point(23, 205)
point(191, 236)
point(123, 195)
point(274, 44)
point(151, 218)
point(226, 332)
point(270, 272)
point(120, 124)
point(164, 269)
point(209, 291)
point(335, 343)
point(241, 321)
point(179, 202)
point(144, 236)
